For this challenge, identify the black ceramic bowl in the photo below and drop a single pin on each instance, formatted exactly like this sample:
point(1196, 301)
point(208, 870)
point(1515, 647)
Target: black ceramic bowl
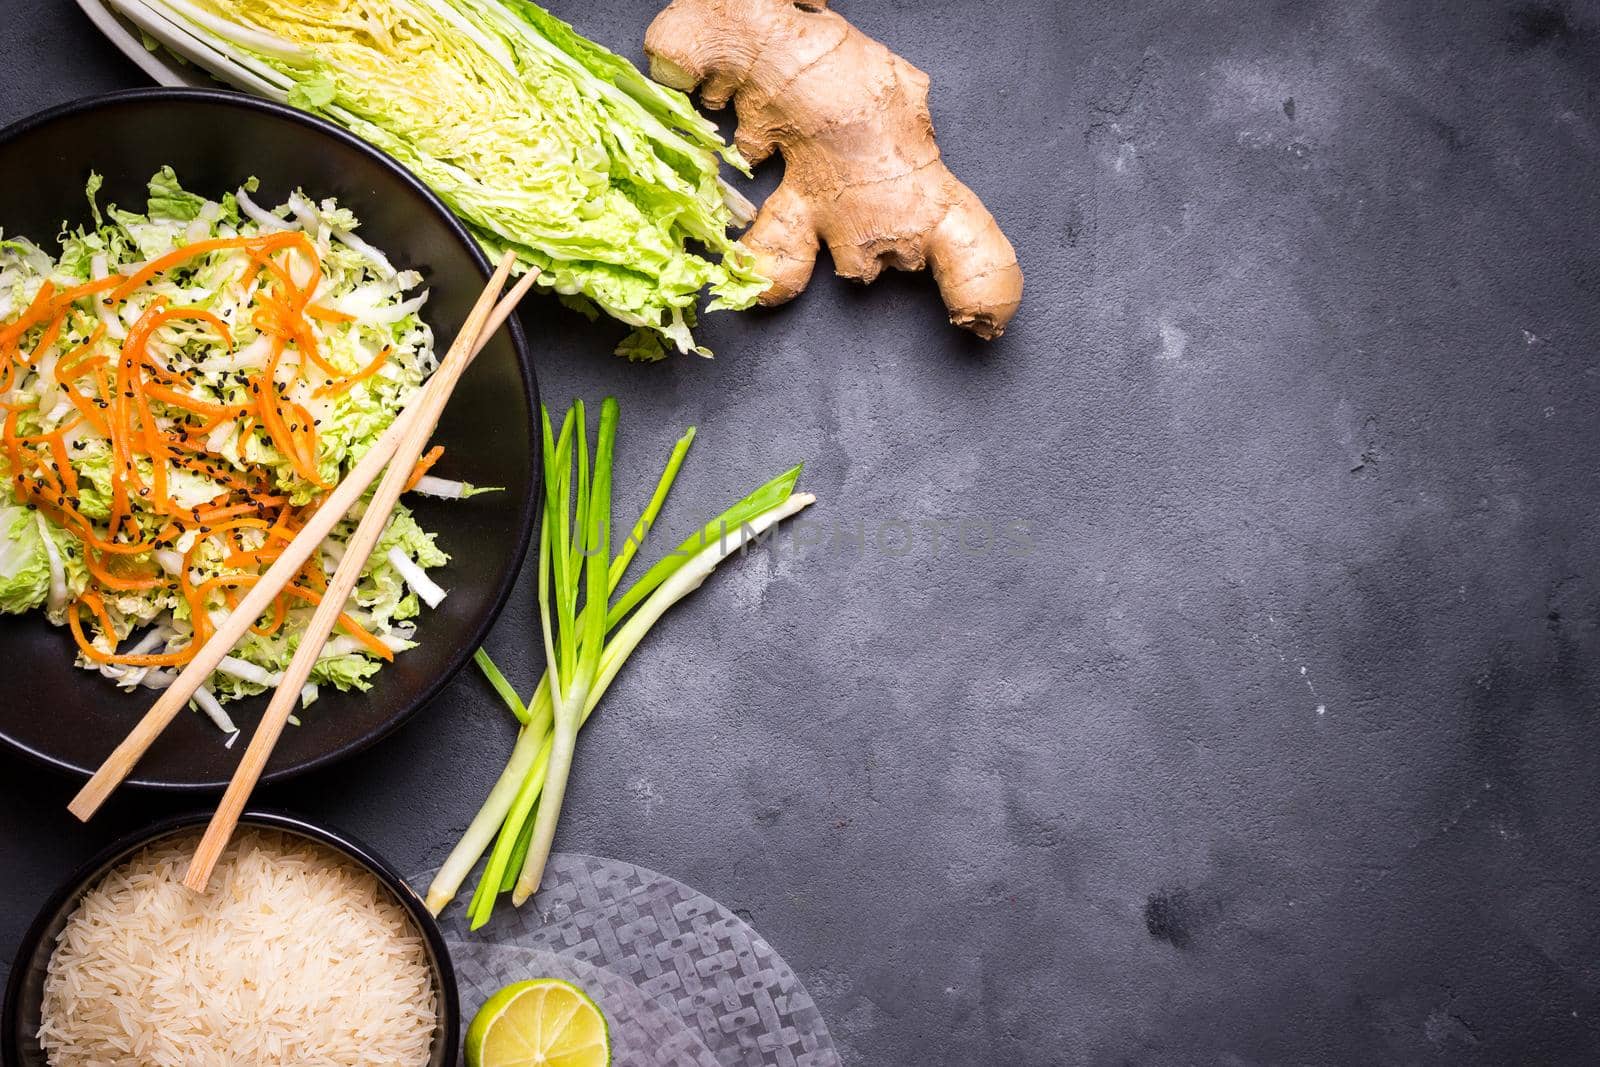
point(215, 140)
point(24, 1002)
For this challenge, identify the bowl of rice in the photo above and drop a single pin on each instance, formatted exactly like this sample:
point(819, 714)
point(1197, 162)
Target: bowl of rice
point(307, 949)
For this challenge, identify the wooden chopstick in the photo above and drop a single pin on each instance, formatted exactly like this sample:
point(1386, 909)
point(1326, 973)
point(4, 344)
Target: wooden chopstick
point(120, 763)
point(340, 586)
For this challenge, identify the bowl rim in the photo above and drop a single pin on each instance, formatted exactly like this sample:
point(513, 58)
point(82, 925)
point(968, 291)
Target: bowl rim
point(76, 884)
point(458, 657)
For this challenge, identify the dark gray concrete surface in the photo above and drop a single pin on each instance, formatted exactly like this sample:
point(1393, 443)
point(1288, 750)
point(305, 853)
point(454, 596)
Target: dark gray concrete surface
point(1278, 746)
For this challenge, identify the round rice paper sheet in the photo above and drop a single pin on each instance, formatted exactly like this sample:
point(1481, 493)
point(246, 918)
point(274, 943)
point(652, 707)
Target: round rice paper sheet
point(682, 980)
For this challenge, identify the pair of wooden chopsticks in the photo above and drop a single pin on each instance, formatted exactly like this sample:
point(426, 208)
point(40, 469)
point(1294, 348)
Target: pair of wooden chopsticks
point(394, 455)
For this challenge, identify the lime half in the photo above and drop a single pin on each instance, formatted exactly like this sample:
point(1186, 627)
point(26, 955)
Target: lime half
point(544, 1022)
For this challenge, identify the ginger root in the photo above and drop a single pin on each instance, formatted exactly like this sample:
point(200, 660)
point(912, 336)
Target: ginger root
point(862, 171)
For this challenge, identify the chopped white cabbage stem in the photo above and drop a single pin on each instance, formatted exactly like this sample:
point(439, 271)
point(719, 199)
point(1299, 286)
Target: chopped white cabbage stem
point(58, 575)
point(249, 672)
point(417, 578)
point(207, 702)
point(265, 219)
point(444, 488)
point(375, 257)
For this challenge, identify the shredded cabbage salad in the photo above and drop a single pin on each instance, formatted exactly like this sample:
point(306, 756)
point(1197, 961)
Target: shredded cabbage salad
point(178, 389)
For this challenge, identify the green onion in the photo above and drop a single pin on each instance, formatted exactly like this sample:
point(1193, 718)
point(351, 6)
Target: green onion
point(577, 647)
point(582, 653)
point(501, 686)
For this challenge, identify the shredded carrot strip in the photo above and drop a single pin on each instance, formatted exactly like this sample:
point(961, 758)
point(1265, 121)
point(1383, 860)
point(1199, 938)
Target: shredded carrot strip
point(180, 256)
point(267, 407)
point(78, 292)
point(303, 429)
point(131, 388)
point(425, 464)
point(280, 615)
point(159, 659)
point(95, 604)
point(79, 361)
point(12, 444)
point(317, 311)
point(287, 320)
point(220, 523)
point(171, 396)
point(93, 543)
point(87, 409)
point(198, 616)
point(336, 387)
point(243, 558)
point(306, 341)
point(312, 573)
point(58, 453)
point(31, 317)
point(217, 514)
point(279, 274)
point(346, 623)
point(100, 570)
point(124, 396)
point(47, 339)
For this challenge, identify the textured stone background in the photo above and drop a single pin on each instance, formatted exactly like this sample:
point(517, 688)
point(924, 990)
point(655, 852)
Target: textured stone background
point(1279, 746)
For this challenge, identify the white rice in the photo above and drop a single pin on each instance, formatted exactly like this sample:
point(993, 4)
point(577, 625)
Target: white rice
point(294, 956)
